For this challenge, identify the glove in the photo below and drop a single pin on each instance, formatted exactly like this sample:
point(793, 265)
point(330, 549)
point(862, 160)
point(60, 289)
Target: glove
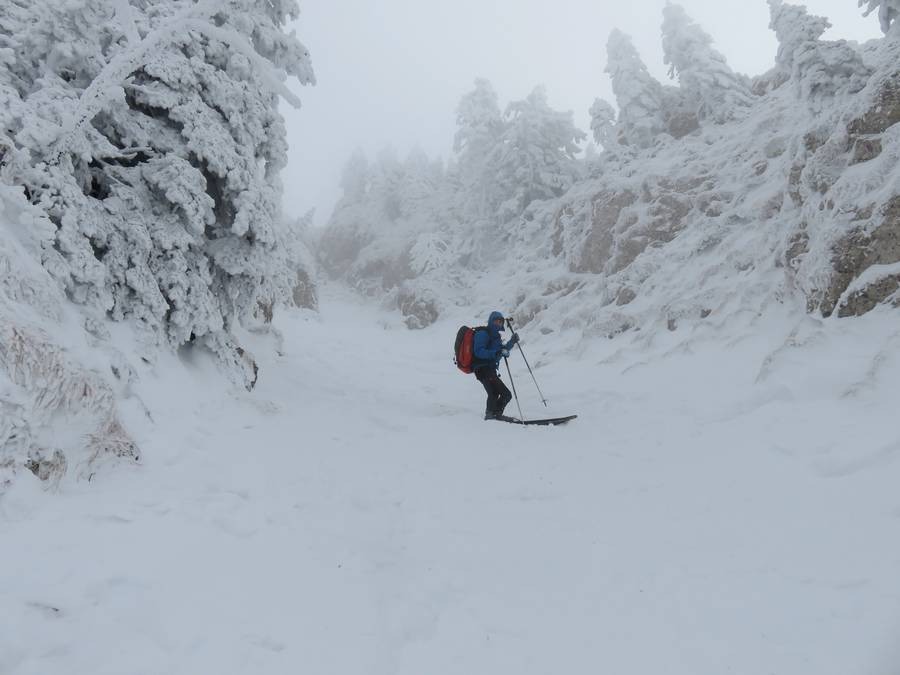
point(514, 340)
point(504, 353)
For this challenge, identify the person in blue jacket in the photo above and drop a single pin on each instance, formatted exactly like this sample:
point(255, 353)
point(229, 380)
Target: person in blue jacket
point(488, 348)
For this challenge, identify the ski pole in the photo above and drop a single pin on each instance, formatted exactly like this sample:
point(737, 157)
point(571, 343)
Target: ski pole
point(509, 323)
point(513, 384)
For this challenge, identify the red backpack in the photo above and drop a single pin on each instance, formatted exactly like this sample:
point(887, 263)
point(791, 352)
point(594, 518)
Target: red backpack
point(464, 348)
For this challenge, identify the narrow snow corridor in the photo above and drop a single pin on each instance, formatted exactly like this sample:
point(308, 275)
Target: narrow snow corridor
point(715, 509)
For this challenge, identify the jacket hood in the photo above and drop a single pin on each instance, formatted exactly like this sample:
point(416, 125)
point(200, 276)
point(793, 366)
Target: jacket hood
point(495, 315)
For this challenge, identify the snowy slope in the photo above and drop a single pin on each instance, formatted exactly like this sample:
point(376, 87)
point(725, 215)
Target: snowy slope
point(726, 503)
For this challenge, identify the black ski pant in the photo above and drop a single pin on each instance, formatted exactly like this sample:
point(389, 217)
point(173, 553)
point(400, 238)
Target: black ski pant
point(497, 393)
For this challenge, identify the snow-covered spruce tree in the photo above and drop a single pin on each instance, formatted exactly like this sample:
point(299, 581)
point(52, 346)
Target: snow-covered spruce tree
point(536, 156)
point(479, 130)
point(817, 68)
point(149, 134)
point(717, 92)
point(796, 30)
point(638, 93)
point(888, 12)
point(603, 123)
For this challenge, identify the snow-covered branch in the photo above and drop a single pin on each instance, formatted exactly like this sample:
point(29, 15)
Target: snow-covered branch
point(888, 11)
point(273, 79)
point(125, 16)
point(109, 82)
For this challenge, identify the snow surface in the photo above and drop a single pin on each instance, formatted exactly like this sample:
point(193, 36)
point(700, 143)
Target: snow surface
point(726, 503)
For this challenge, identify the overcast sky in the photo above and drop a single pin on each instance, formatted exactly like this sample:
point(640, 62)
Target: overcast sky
point(390, 72)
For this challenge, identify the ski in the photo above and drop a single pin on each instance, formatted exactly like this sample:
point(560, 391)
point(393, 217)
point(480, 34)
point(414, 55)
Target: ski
point(553, 421)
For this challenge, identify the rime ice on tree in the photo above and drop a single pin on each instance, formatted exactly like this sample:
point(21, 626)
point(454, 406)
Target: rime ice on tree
point(638, 94)
point(479, 128)
point(536, 158)
point(603, 122)
point(163, 177)
point(818, 68)
point(704, 76)
point(888, 11)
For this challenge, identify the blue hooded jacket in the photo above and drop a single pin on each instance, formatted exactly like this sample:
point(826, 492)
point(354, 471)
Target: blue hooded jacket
point(488, 343)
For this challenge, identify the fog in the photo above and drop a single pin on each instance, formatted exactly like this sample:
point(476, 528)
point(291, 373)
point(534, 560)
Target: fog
point(391, 72)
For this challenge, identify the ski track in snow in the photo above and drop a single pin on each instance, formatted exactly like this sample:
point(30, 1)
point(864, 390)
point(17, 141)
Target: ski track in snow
point(355, 515)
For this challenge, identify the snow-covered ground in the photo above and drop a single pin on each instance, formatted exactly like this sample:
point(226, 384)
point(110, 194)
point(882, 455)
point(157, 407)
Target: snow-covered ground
point(726, 502)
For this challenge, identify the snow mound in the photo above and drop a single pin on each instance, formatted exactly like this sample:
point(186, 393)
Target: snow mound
point(57, 411)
